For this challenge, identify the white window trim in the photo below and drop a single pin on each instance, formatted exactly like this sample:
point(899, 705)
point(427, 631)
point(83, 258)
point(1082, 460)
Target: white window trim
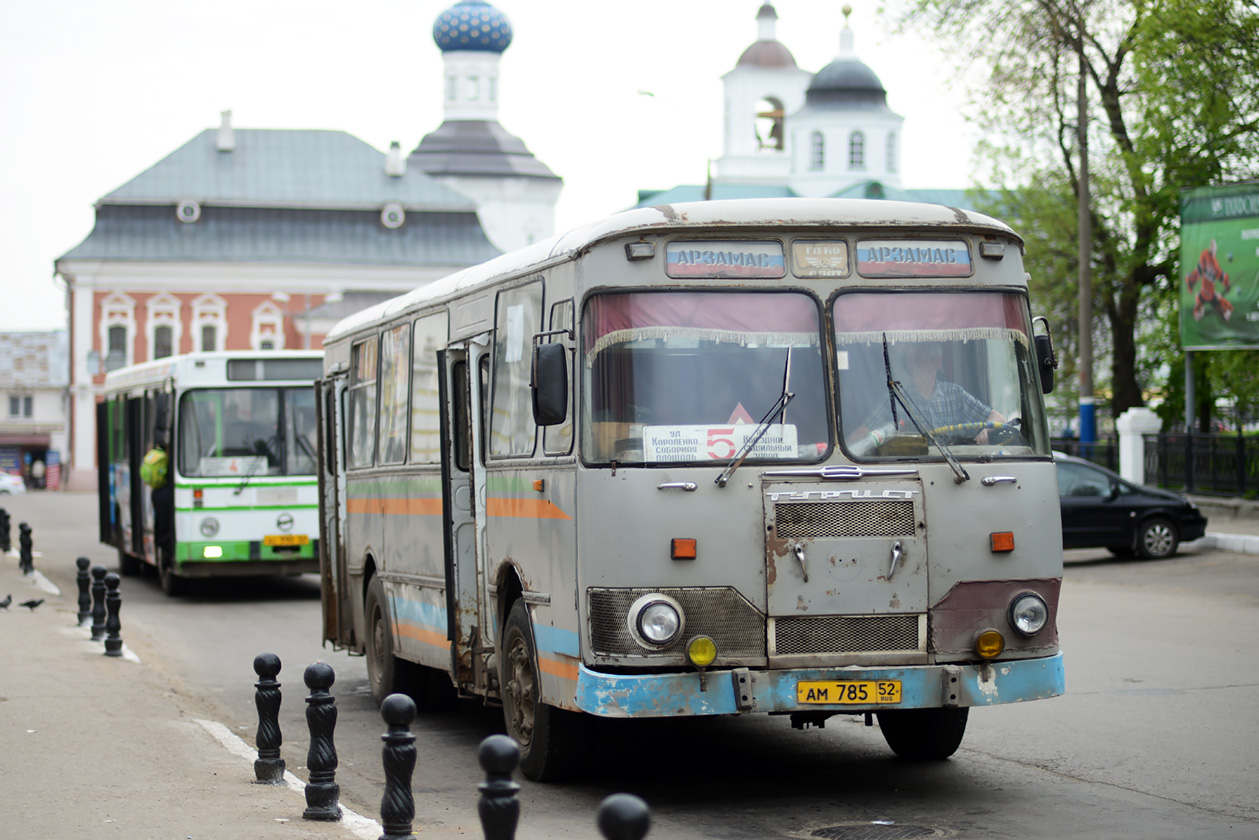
point(164, 310)
point(209, 310)
point(266, 324)
point(118, 310)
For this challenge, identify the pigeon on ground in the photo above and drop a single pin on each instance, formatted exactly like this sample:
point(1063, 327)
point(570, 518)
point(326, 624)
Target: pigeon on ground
point(8, 599)
point(33, 603)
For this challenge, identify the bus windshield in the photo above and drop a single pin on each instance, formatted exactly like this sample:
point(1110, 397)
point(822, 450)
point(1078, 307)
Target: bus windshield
point(921, 370)
point(238, 432)
point(689, 376)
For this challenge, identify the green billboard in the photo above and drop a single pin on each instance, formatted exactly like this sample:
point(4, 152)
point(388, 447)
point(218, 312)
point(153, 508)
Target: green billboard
point(1219, 267)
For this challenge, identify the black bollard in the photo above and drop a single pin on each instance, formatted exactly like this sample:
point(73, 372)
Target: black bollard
point(623, 816)
point(27, 556)
point(499, 808)
point(322, 792)
point(269, 767)
point(6, 540)
point(85, 591)
point(98, 602)
point(397, 806)
point(113, 624)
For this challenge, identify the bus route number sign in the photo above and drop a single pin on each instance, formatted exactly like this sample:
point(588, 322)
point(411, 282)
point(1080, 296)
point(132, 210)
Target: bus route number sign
point(849, 692)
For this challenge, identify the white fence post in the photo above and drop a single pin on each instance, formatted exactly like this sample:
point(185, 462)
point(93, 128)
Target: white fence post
point(1133, 425)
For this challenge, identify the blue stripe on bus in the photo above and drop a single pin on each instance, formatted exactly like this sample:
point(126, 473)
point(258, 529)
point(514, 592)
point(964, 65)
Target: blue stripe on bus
point(556, 640)
point(668, 695)
point(420, 613)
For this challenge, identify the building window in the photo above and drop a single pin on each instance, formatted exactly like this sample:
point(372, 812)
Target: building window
point(452, 86)
point(116, 351)
point(209, 338)
point(162, 342)
point(21, 407)
point(817, 155)
point(209, 322)
point(267, 330)
point(856, 150)
point(117, 328)
point(769, 124)
point(891, 151)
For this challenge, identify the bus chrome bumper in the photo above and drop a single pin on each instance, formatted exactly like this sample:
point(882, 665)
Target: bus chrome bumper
point(741, 690)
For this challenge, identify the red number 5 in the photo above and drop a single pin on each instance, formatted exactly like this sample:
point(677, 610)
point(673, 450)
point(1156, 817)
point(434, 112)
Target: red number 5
point(721, 438)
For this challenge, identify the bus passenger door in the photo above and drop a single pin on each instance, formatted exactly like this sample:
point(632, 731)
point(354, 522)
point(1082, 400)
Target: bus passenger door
point(338, 618)
point(463, 505)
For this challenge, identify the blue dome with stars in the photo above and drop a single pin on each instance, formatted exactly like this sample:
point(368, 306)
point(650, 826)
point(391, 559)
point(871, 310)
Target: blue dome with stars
point(472, 26)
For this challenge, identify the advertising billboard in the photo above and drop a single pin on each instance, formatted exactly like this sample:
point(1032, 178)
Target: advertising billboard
point(1219, 267)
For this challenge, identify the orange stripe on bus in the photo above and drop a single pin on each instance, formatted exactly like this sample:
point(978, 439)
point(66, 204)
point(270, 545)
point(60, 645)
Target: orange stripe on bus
point(420, 634)
point(524, 509)
point(558, 668)
point(405, 507)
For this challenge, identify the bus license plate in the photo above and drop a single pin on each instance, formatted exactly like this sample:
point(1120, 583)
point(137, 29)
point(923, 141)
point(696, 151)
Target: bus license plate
point(285, 539)
point(876, 692)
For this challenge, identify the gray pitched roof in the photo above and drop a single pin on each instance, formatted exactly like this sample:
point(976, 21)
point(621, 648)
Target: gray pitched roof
point(283, 168)
point(477, 148)
point(253, 234)
point(34, 359)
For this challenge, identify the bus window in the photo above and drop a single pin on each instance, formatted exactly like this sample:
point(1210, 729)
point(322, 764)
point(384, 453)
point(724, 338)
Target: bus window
point(519, 315)
point(558, 440)
point(246, 431)
point(395, 354)
point(426, 439)
point(964, 368)
point(689, 376)
point(361, 434)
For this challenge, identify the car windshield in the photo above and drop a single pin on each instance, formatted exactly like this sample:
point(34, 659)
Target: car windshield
point(921, 373)
point(241, 432)
point(690, 376)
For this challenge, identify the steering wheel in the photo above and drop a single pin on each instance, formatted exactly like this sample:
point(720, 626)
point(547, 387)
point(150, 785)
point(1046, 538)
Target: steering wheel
point(969, 431)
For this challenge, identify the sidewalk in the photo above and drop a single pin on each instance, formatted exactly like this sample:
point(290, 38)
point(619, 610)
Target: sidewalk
point(1232, 524)
point(99, 747)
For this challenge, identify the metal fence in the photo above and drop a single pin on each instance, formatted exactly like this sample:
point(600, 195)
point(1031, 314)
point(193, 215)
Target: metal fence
point(1210, 464)
point(1103, 451)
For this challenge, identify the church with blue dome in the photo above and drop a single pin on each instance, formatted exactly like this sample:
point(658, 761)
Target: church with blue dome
point(470, 151)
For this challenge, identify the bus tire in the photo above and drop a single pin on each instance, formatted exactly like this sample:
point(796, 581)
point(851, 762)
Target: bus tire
point(129, 566)
point(551, 739)
point(172, 584)
point(924, 734)
point(383, 673)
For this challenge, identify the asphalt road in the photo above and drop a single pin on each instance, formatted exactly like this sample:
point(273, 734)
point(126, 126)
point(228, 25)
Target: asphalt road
point(1156, 736)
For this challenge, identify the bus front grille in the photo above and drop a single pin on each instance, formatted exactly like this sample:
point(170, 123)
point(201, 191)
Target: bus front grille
point(718, 612)
point(849, 634)
point(877, 518)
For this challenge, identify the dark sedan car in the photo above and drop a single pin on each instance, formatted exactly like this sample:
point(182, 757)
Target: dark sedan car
point(1101, 510)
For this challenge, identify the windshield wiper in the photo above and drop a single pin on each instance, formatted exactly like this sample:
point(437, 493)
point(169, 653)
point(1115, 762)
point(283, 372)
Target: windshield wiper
point(761, 428)
point(896, 393)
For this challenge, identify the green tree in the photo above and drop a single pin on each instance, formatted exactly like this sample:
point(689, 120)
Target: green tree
point(1173, 93)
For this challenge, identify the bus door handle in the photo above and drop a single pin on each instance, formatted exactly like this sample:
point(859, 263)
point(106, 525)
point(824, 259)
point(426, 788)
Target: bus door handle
point(897, 554)
point(991, 480)
point(688, 486)
point(799, 551)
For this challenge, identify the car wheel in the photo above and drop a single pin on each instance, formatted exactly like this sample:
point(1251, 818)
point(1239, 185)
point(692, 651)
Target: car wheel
point(1157, 539)
point(924, 734)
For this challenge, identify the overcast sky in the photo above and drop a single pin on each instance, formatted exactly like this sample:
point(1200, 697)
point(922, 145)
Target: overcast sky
point(93, 93)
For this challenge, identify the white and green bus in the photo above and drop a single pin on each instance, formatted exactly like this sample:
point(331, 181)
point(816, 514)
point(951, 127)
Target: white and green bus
point(241, 493)
point(782, 457)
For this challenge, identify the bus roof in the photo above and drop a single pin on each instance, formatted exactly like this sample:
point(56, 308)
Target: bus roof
point(160, 369)
point(710, 215)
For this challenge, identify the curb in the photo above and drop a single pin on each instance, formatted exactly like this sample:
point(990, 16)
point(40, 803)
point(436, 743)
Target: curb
point(1233, 543)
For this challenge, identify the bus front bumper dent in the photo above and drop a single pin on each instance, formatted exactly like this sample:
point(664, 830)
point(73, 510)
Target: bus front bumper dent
point(922, 687)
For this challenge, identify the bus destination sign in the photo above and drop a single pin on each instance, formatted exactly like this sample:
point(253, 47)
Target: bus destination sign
point(912, 258)
point(725, 259)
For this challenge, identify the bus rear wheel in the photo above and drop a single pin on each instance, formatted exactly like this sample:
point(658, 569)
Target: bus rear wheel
point(431, 690)
point(551, 739)
point(924, 734)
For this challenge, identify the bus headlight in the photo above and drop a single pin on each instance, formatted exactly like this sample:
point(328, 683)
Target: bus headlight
point(656, 620)
point(1028, 613)
point(209, 527)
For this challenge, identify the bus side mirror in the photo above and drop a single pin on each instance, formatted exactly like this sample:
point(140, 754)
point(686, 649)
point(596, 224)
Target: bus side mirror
point(1045, 360)
point(549, 383)
point(161, 420)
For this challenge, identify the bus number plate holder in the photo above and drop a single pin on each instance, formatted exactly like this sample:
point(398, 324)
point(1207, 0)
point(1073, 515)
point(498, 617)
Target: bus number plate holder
point(849, 692)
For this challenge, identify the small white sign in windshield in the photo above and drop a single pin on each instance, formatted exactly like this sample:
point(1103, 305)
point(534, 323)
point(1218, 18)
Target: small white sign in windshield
point(716, 443)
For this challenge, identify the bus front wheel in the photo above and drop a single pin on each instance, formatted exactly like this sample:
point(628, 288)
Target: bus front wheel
point(550, 738)
point(924, 734)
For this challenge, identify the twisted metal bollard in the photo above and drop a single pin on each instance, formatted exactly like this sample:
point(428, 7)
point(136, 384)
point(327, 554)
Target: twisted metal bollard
point(499, 807)
point(26, 560)
point(623, 816)
point(113, 624)
point(397, 806)
point(85, 591)
point(98, 602)
point(269, 767)
point(322, 792)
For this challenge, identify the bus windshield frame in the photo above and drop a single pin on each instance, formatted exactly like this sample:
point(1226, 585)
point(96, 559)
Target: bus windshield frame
point(232, 432)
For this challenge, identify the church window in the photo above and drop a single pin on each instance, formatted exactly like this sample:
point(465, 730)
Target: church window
point(163, 337)
point(857, 150)
point(817, 153)
point(769, 124)
point(452, 87)
point(493, 85)
point(474, 88)
point(891, 151)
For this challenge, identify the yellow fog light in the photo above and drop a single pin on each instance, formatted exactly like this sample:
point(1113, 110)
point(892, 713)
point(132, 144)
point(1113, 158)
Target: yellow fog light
point(701, 651)
point(989, 644)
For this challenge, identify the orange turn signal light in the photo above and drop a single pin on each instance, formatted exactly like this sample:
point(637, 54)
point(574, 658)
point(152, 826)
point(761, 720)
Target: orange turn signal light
point(683, 549)
point(1002, 541)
